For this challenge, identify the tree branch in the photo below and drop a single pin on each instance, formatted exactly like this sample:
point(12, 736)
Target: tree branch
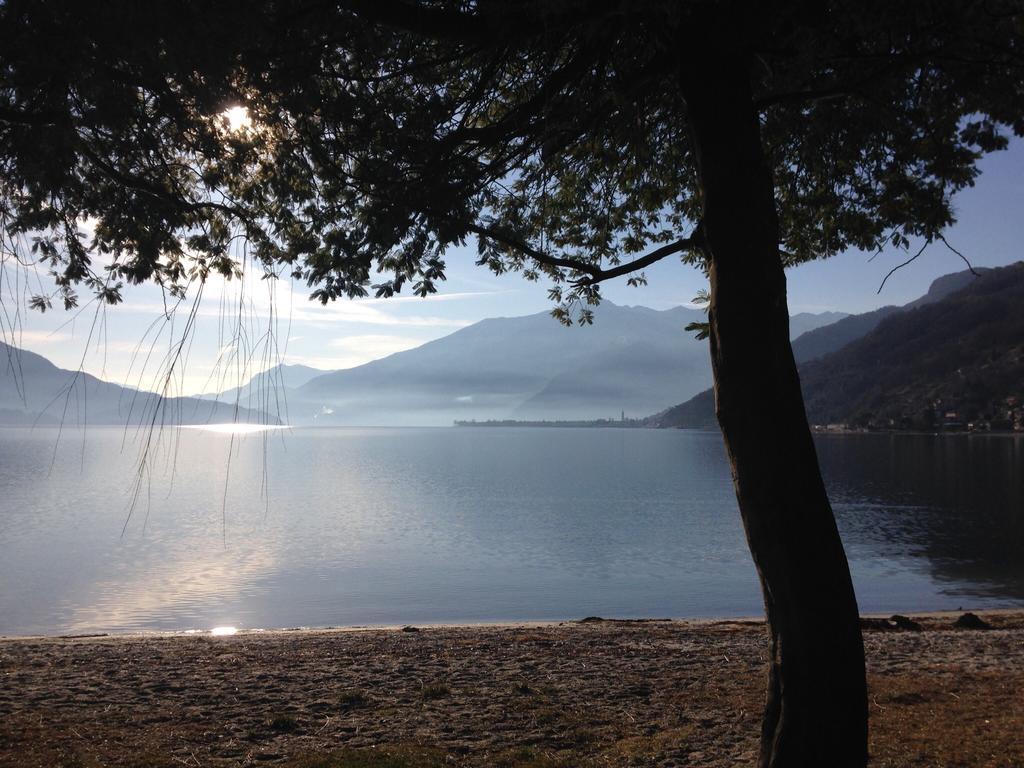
point(595, 274)
point(954, 250)
point(156, 192)
point(414, 17)
point(940, 237)
point(695, 240)
point(481, 27)
point(33, 119)
point(841, 90)
point(901, 266)
point(528, 250)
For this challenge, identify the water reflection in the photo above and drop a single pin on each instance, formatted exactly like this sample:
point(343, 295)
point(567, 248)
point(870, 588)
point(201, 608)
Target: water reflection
point(389, 526)
point(149, 582)
point(953, 502)
point(233, 428)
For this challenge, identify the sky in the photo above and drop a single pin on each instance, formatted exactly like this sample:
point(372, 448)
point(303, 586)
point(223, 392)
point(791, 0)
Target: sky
point(130, 343)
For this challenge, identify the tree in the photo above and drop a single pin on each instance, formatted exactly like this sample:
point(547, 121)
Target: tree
point(573, 140)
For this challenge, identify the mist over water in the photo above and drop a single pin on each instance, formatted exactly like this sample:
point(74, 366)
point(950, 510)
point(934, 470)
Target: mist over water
point(333, 526)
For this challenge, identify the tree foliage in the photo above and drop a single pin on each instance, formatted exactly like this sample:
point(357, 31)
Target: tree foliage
point(552, 134)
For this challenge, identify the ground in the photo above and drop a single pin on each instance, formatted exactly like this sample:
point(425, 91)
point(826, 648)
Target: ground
point(595, 693)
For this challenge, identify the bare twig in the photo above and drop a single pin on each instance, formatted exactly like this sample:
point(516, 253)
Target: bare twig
point(954, 250)
point(901, 266)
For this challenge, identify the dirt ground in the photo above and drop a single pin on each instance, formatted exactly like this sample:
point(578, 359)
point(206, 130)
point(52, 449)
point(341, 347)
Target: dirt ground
point(596, 693)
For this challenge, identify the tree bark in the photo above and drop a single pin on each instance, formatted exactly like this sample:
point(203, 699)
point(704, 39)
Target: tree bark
point(816, 708)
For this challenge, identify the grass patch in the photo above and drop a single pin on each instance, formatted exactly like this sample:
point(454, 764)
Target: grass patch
point(385, 757)
point(645, 750)
point(283, 723)
point(353, 698)
point(434, 691)
point(425, 757)
point(141, 760)
point(547, 715)
point(539, 690)
point(582, 736)
point(529, 757)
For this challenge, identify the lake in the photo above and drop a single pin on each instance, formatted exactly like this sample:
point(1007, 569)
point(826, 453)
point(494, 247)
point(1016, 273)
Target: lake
point(329, 527)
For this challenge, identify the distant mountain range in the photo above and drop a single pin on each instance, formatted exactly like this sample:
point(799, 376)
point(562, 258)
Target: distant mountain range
point(33, 391)
point(818, 342)
point(953, 356)
point(632, 360)
point(268, 390)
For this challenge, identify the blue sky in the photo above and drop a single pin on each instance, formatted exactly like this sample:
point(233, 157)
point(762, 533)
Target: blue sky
point(128, 343)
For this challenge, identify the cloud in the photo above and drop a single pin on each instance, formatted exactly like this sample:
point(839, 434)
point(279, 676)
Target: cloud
point(456, 296)
point(372, 342)
point(373, 346)
point(351, 351)
point(316, 316)
point(365, 314)
point(32, 338)
point(244, 326)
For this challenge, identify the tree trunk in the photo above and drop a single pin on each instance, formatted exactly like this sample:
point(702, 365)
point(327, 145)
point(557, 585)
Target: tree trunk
point(816, 709)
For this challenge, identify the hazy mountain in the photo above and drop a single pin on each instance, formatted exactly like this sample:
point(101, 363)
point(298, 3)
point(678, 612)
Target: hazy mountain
point(821, 341)
point(516, 367)
point(35, 391)
point(803, 322)
point(277, 376)
point(632, 359)
point(269, 391)
point(836, 347)
point(290, 376)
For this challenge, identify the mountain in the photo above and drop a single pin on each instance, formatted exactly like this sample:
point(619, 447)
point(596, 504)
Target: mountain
point(947, 285)
point(270, 390)
point(956, 349)
point(632, 359)
point(941, 364)
point(802, 322)
point(35, 391)
point(828, 338)
point(290, 376)
point(821, 341)
point(519, 367)
point(277, 376)
point(696, 413)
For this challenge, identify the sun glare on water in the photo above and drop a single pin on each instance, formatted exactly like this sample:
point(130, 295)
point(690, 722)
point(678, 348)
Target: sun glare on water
point(236, 429)
point(224, 631)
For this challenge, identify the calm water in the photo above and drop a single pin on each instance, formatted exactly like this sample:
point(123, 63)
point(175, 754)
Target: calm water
point(318, 527)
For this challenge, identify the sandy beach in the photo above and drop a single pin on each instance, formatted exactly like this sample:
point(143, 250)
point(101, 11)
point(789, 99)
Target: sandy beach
point(592, 693)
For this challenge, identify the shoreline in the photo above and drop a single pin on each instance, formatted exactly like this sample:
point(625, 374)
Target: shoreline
point(577, 694)
point(695, 621)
